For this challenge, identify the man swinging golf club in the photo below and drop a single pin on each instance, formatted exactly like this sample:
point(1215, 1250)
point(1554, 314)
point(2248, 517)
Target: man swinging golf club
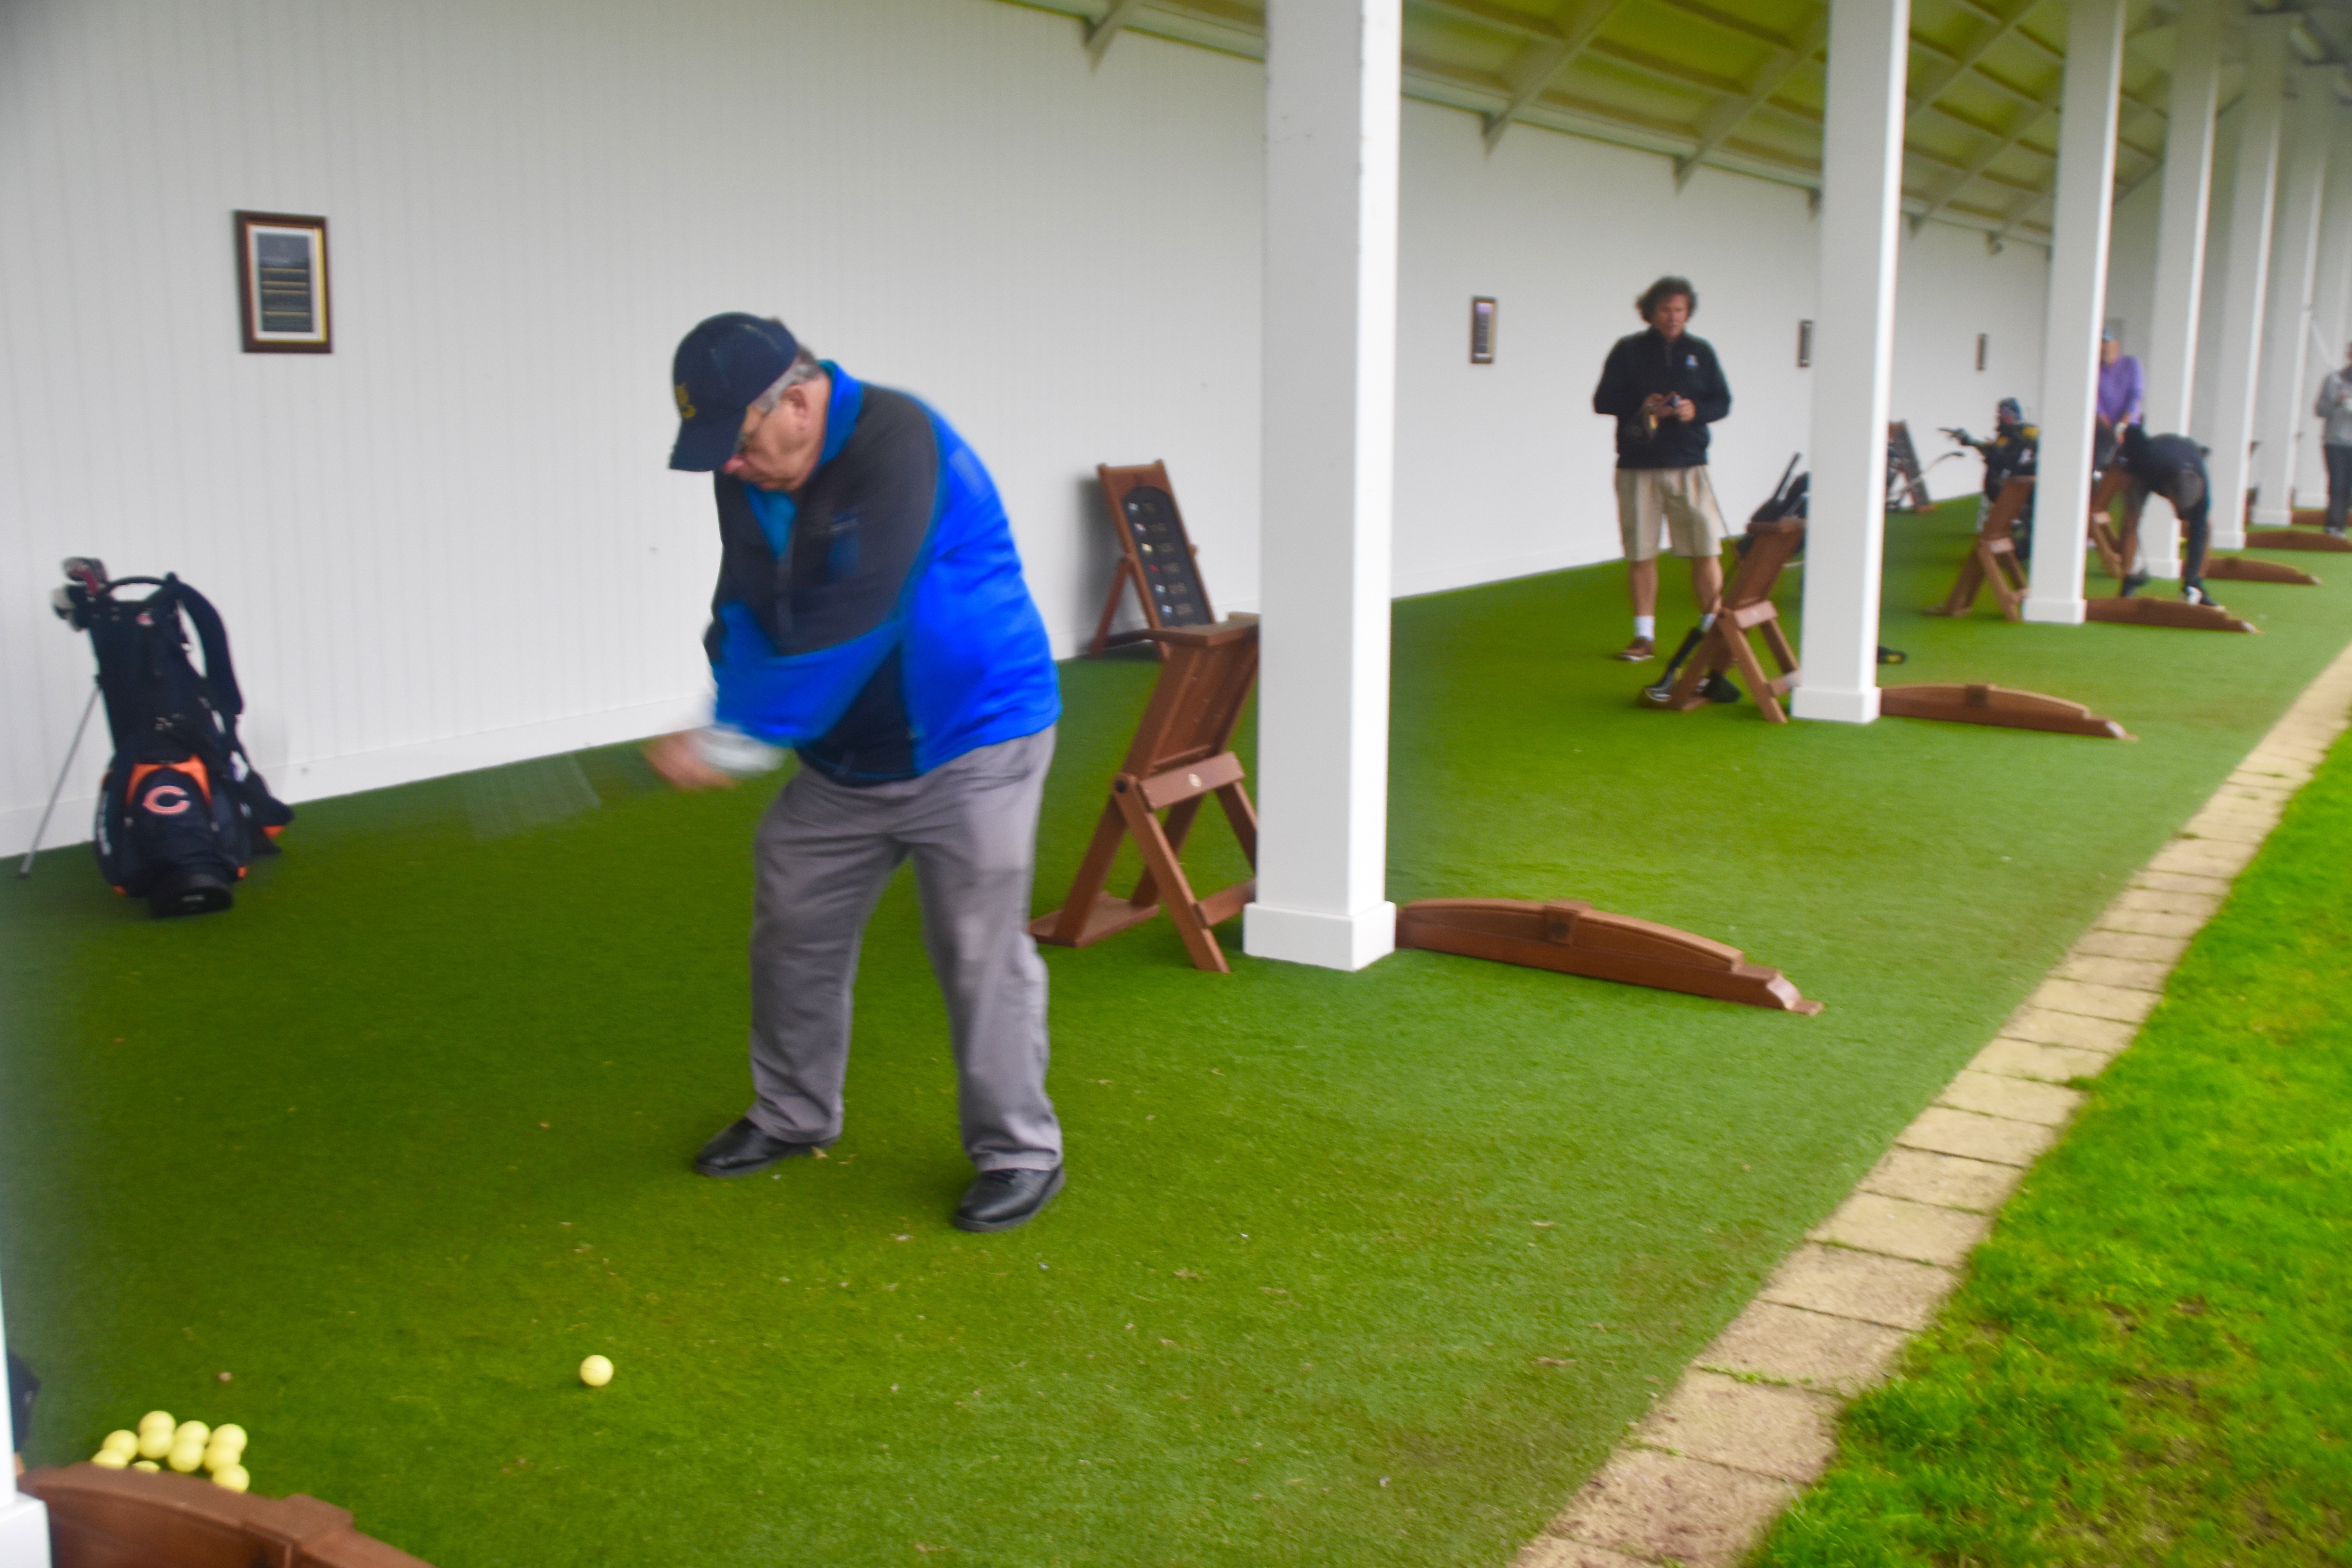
point(871, 616)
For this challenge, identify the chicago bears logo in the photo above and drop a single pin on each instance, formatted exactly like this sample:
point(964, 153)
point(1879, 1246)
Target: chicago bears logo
point(166, 800)
point(684, 404)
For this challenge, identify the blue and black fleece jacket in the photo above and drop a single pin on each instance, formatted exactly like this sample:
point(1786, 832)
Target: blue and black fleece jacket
point(876, 620)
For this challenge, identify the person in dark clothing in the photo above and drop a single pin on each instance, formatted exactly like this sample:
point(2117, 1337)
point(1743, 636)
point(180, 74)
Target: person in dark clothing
point(2007, 453)
point(2174, 467)
point(1664, 387)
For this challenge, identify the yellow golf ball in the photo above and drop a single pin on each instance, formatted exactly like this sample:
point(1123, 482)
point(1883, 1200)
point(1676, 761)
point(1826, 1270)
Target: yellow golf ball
point(150, 1466)
point(185, 1457)
point(233, 1478)
point(221, 1455)
point(157, 1418)
point(195, 1431)
point(109, 1459)
point(230, 1434)
point(154, 1442)
point(595, 1371)
point(123, 1443)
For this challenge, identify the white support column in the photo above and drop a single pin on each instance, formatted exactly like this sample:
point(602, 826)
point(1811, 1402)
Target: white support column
point(2170, 353)
point(2282, 411)
point(1854, 353)
point(2331, 308)
point(2084, 214)
point(23, 1521)
point(1333, 96)
point(2246, 274)
point(2171, 350)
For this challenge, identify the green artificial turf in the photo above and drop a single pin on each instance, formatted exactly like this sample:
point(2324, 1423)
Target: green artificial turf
point(2147, 1362)
point(1359, 1269)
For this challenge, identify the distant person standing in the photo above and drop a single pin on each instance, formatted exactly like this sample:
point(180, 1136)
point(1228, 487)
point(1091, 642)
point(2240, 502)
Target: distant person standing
point(2335, 406)
point(1665, 388)
point(2123, 392)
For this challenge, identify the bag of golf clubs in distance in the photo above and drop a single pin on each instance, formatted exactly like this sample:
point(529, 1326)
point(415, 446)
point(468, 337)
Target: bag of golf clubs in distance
point(182, 810)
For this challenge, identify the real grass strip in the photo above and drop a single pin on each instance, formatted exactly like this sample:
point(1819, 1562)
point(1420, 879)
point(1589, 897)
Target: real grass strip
point(2147, 1362)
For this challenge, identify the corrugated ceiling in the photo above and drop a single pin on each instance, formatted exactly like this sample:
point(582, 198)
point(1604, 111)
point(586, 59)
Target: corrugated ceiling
point(1737, 84)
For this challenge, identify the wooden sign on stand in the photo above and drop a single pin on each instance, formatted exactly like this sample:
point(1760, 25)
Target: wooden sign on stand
point(1183, 753)
point(1156, 558)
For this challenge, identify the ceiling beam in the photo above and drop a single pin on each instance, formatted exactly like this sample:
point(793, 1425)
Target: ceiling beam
point(1725, 118)
point(1960, 181)
point(1541, 64)
point(1104, 29)
point(1954, 69)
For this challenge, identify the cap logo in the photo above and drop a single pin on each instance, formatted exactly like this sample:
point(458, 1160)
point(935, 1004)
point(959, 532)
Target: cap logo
point(684, 404)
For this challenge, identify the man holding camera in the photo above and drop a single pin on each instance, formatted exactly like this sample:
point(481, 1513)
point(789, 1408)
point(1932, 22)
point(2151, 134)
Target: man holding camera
point(1665, 388)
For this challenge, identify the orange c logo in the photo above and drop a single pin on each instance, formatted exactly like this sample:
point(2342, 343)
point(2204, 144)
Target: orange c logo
point(167, 800)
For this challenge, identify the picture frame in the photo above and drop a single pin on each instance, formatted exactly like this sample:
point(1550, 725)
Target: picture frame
point(284, 305)
point(1482, 330)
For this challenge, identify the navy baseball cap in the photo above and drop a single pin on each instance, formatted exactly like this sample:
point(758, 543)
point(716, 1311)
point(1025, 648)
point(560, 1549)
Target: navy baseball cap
point(721, 366)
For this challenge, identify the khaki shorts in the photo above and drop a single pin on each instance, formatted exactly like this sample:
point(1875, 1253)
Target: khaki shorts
point(1680, 498)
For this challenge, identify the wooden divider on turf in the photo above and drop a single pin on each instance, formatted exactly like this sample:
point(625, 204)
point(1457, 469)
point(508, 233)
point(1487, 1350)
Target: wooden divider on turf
point(128, 1518)
point(1574, 937)
point(1183, 753)
point(1992, 561)
point(1748, 610)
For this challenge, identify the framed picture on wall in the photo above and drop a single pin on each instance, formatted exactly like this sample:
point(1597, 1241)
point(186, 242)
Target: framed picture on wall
point(282, 268)
point(1482, 331)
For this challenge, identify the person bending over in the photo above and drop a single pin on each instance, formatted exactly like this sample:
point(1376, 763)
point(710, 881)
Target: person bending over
point(2174, 467)
point(1665, 388)
point(2335, 406)
point(871, 614)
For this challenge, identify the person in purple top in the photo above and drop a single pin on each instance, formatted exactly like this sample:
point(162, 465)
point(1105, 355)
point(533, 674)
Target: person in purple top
point(2121, 389)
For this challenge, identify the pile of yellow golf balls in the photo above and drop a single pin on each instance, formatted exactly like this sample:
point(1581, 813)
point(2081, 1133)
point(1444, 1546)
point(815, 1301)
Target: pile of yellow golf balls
point(186, 1446)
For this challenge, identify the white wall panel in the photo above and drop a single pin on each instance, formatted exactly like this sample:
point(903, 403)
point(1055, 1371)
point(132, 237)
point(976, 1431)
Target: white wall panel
point(454, 541)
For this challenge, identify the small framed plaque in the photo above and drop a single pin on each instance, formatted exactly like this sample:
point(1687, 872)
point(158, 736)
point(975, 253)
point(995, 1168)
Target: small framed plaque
point(1482, 331)
point(281, 270)
point(1804, 345)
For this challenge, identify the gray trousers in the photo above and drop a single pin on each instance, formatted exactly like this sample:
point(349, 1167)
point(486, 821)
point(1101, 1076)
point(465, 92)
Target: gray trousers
point(825, 852)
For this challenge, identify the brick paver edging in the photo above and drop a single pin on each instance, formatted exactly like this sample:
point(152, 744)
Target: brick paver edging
point(1752, 1422)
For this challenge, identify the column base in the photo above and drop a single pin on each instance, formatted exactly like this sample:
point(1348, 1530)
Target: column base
point(1810, 701)
point(23, 1532)
point(1326, 941)
point(2054, 612)
point(2265, 516)
point(2229, 539)
point(2167, 569)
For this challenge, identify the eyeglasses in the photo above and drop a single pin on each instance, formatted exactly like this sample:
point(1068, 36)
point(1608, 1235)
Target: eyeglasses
point(745, 439)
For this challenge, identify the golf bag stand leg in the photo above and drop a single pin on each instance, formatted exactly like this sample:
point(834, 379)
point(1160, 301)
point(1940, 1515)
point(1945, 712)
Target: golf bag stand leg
point(57, 789)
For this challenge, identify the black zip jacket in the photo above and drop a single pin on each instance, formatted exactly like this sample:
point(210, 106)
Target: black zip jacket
point(1644, 363)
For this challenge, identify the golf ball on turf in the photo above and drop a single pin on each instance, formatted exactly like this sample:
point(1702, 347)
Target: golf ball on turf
point(157, 1418)
point(230, 1434)
point(195, 1431)
point(123, 1443)
point(185, 1457)
point(150, 1466)
point(233, 1478)
point(595, 1371)
point(154, 1442)
point(109, 1459)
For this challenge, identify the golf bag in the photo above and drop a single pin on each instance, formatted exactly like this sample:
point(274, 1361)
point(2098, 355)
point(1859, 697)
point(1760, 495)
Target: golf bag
point(182, 810)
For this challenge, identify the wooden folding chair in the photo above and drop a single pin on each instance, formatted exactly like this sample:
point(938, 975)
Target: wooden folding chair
point(2116, 549)
point(1181, 755)
point(1748, 610)
point(1992, 560)
point(1156, 558)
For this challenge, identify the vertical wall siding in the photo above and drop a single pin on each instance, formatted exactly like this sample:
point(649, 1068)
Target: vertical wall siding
point(453, 541)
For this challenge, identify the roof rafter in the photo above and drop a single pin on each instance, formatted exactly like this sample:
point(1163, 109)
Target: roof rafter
point(1542, 64)
point(1104, 29)
point(1976, 168)
point(1725, 118)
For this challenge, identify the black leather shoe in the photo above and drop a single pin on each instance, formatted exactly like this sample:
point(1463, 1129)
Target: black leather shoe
point(2132, 583)
point(1002, 1199)
point(743, 1148)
